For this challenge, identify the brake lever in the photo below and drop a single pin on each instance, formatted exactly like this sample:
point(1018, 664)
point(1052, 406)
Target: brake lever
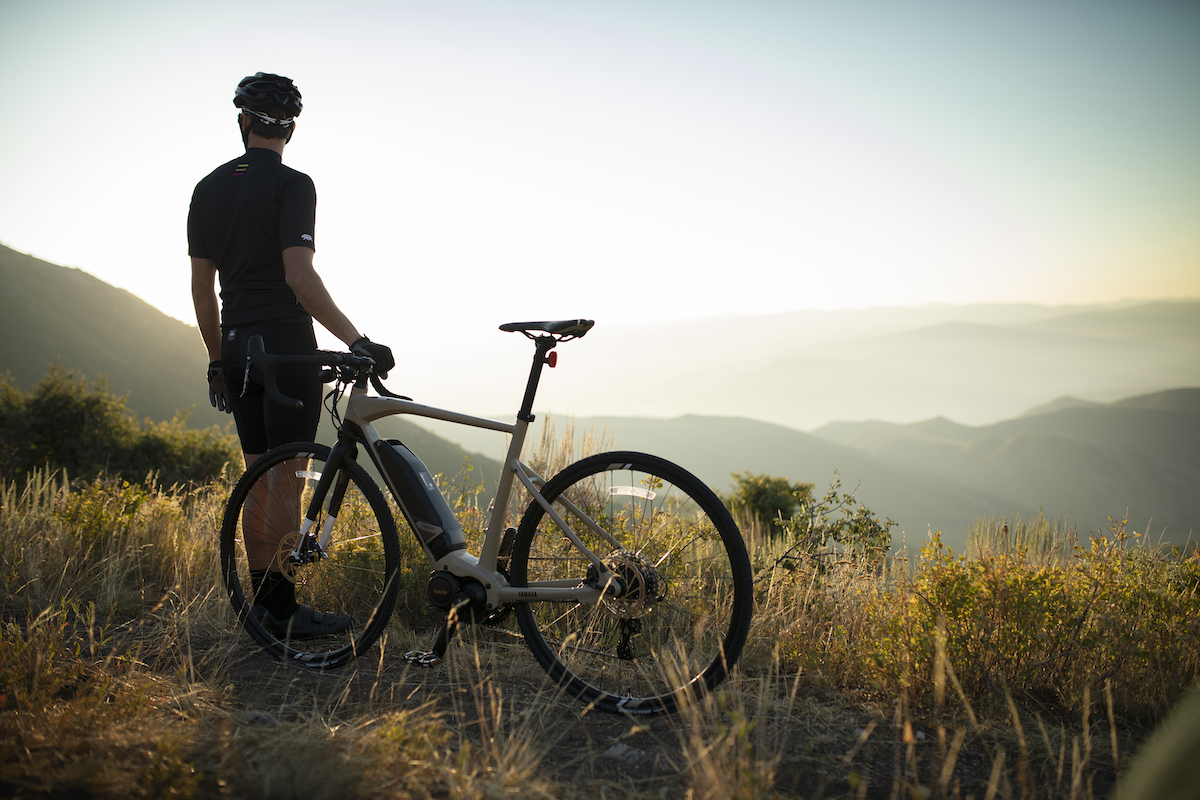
point(383, 391)
point(257, 357)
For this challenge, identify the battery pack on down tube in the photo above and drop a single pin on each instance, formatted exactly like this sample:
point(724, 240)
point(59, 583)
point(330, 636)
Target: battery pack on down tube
point(420, 499)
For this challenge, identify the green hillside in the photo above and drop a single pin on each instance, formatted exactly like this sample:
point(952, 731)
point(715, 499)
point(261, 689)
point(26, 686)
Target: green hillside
point(50, 313)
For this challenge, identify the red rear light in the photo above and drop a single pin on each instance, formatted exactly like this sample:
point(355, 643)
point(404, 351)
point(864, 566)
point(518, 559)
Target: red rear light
point(552, 358)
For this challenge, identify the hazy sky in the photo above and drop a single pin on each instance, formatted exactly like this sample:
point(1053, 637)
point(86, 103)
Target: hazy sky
point(484, 162)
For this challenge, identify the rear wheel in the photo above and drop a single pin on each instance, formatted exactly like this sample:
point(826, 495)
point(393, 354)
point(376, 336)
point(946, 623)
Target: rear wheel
point(684, 615)
point(357, 574)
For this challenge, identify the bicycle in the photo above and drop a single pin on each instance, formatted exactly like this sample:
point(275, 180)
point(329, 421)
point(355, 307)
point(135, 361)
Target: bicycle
point(628, 577)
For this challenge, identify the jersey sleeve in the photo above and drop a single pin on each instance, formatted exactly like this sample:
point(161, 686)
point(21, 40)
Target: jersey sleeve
point(298, 213)
point(196, 245)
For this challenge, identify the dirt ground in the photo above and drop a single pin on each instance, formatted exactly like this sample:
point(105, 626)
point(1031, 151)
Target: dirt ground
point(815, 745)
point(212, 693)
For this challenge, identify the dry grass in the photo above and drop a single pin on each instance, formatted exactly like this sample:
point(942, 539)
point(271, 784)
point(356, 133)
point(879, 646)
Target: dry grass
point(121, 674)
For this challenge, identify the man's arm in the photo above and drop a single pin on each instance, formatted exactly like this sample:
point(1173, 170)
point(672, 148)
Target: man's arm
point(208, 311)
point(313, 296)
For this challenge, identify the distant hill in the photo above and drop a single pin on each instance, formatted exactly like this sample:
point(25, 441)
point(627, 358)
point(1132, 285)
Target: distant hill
point(1060, 403)
point(968, 371)
point(973, 364)
point(1084, 460)
point(50, 313)
point(716, 447)
point(1176, 323)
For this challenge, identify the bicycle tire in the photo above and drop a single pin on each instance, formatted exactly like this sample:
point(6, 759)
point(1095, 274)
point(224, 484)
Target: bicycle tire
point(683, 624)
point(358, 577)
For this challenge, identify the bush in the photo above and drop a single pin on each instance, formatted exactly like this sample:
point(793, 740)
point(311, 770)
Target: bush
point(768, 498)
point(86, 430)
point(1113, 617)
point(838, 517)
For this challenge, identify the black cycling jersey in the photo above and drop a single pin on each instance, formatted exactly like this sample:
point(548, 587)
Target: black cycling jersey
point(244, 214)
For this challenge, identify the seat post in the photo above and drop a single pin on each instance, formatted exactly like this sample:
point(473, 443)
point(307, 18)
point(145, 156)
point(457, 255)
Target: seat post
point(544, 345)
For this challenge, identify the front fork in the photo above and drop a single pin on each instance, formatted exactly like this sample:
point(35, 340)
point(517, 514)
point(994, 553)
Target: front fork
point(313, 544)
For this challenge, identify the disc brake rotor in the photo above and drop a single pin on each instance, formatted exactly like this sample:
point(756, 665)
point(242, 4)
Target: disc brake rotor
point(283, 556)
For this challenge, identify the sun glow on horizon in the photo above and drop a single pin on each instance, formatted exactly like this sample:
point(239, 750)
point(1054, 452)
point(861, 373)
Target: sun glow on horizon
point(541, 161)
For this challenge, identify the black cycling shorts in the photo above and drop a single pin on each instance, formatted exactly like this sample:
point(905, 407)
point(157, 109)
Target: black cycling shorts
point(262, 424)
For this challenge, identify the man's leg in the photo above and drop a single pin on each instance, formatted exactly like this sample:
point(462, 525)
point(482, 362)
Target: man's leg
point(271, 514)
point(270, 522)
point(276, 499)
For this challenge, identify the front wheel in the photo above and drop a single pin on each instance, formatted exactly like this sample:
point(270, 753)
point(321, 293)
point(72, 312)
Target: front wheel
point(355, 574)
point(685, 611)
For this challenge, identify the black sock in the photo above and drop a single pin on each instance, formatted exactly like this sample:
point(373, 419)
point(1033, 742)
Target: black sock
point(256, 582)
point(277, 593)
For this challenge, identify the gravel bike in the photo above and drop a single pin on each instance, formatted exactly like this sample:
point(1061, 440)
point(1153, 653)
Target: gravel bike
point(628, 577)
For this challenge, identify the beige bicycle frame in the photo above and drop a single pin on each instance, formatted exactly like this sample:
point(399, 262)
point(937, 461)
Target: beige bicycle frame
point(362, 410)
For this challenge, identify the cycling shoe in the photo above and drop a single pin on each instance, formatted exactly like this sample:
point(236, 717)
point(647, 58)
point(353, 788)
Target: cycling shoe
point(304, 623)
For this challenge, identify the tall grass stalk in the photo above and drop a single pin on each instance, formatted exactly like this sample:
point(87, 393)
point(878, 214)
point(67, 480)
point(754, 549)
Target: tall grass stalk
point(1041, 540)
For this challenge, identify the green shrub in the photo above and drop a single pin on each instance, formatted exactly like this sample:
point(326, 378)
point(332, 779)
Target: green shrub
point(838, 517)
point(100, 510)
point(1007, 625)
point(86, 430)
point(768, 498)
point(1003, 624)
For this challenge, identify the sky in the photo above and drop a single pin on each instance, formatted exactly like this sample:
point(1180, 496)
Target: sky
point(628, 160)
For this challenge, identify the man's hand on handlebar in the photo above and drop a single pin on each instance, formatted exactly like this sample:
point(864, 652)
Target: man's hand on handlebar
point(218, 389)
point(365, 355)
point(379, 353)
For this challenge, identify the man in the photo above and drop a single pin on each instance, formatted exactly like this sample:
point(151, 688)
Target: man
point(251, 221)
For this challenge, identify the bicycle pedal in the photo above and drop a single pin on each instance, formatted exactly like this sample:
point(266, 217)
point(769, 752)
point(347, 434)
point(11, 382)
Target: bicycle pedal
point(424, 658)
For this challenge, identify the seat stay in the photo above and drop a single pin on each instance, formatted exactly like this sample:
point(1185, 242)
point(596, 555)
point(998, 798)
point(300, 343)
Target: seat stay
point(591, 525)
point(601, 569)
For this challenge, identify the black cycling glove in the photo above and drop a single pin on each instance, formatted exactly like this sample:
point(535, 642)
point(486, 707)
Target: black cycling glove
point(379, 353)
point(218, 390)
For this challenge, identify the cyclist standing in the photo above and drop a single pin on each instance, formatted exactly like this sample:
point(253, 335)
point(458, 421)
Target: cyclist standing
point(251, 222)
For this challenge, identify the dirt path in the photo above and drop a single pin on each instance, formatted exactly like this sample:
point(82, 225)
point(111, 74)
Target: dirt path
point(812, 747)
